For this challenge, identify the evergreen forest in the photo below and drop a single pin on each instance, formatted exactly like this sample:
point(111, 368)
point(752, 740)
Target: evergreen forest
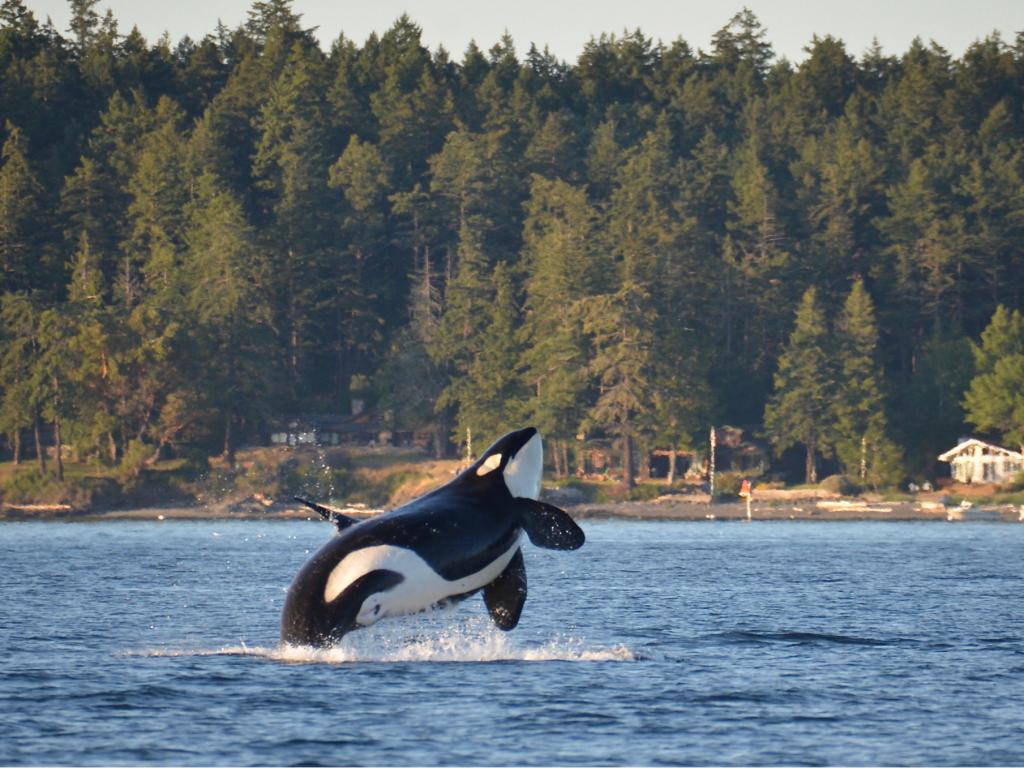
point(201, 237)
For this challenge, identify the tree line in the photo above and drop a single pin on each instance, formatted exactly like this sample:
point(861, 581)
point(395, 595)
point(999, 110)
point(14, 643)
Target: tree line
point(199, 237)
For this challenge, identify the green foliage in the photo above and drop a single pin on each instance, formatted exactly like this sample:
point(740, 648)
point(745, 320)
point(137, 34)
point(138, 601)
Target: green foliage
point(19, 203)
point(995, 399)
point(487, 399)
point(861, 439)
point(844, 485)
point(31, 486)
point(801, 409)
point(645, 492)
point(1014, 485)
point(198, 241)
point(136, 455)
point(727, 484)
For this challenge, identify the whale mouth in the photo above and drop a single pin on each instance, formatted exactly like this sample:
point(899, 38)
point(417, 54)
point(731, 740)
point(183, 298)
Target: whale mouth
point(523, 471)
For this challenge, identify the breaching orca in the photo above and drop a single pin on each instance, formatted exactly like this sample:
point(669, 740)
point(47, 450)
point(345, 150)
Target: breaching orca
point(440, 548)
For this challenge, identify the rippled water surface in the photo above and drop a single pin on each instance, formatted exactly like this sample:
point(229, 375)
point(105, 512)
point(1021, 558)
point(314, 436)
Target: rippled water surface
point(692, 643)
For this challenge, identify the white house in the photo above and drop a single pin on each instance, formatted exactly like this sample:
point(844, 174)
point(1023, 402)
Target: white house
point(975, 461)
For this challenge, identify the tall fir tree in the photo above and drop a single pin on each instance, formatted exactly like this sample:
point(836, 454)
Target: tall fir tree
point(862, 441)
point(995, 400)
point(564, 267)
point(800, 409)
point(20, 193)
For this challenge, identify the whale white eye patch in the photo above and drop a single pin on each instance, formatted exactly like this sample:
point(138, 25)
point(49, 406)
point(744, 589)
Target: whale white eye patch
point(490, 464)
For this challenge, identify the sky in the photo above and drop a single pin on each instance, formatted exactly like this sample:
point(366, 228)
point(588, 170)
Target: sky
point(566, 26)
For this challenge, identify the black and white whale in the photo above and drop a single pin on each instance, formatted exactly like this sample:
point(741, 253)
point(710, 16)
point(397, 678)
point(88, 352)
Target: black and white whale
point(451, 543)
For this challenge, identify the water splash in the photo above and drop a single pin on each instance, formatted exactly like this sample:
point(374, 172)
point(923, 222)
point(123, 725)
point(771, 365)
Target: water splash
point(466, 643)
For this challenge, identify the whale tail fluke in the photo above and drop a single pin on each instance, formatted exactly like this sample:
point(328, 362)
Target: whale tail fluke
point(550, 527)
point(506, 595)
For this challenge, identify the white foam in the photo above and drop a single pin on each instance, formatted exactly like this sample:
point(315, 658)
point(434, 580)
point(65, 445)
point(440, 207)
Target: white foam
point(470, 642)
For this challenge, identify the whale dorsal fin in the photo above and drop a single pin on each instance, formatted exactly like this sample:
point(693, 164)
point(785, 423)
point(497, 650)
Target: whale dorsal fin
point(329, 514)
point(550, 527)
point(506, 595)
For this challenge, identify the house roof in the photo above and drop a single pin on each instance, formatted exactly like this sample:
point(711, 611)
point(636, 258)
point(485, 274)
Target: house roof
point(967, 445)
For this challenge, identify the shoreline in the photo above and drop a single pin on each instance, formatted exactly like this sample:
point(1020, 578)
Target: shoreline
point(831, 510)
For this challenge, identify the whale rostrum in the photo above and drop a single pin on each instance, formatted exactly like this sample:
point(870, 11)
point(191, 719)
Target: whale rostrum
point(459, 539)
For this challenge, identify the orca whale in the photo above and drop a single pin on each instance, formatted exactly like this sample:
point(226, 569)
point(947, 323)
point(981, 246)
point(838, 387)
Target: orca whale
point(440, 548)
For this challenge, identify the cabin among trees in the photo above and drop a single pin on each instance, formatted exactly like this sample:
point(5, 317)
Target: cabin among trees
point(364, 428)
point(975, 461)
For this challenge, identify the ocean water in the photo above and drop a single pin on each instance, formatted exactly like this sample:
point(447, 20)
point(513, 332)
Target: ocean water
point(657, 643)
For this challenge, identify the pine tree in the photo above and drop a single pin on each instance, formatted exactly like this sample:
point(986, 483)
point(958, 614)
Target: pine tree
point(800, 410)
point(19, 205)
point(227, 294)
point(489, 398)
point(297, 207)
point(84, 23)
point(995, 399)
point(861, 428)
point(619, 326)
point(604, 155)
point(366, 293)
point(563, 266)
point(551, 151)
point(412, 107)
point(23, 400)
point(924, 239)
point(994, 215)
point(757, 257)
point(159, 189)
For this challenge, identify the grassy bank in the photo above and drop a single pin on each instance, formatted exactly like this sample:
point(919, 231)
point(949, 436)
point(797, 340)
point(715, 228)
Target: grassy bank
point(385, 477)
point(375, 477)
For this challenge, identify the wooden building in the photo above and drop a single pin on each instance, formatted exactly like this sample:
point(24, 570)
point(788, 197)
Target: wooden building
point(975, 461)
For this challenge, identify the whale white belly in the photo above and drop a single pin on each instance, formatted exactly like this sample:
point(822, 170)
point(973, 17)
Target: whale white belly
point(421, 588)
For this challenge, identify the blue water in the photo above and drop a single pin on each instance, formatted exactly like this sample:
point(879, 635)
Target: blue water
point(657, 643)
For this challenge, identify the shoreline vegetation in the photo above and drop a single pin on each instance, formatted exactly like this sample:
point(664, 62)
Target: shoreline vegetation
point(366, 481)
point(214, 242)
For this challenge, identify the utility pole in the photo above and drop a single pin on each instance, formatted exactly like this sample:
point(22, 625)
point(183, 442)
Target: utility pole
point(711, 466)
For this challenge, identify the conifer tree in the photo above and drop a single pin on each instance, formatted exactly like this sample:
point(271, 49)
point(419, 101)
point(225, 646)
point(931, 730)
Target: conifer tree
point(995, 400)
point(924, 240)
point(159, 189)
point(23, 401)
point(563, 268)
point(604, 156)
point(488, 399)
point(228, 295)
point(800, 410)
point(861, 429)
point(291, 160)
point(619, 326)
point(84, 22)
point(362, 273)
point(757, 256)
point(19, 204)
point(412, 108)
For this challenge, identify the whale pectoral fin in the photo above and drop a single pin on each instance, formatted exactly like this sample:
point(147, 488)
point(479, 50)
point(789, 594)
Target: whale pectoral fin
point(550, 527)
point(327, 513)
point(506, 595)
